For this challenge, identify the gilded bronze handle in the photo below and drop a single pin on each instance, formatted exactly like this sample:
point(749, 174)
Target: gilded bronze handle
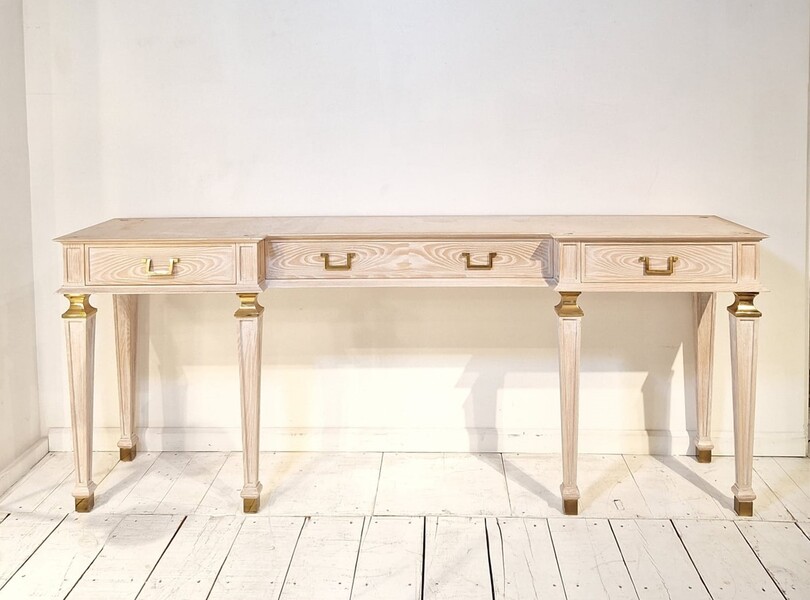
point(347, 266)
point(668, 271)
point(471, 267)
point(167, 273)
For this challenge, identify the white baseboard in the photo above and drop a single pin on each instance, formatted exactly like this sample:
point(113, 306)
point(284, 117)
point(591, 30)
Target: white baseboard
point(14, 472)
point(432, 440)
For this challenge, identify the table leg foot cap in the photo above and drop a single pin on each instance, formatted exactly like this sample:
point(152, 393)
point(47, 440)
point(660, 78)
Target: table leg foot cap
point(84, 505)
point(704, 456)
point(250, 505)
point(744, 508)
point(127, 454)
point(571, 506)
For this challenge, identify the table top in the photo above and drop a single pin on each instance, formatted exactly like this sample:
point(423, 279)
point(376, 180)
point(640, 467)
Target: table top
point(565, 227)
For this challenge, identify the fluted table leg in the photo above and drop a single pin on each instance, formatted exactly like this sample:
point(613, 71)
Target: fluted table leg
point(249, 317)
point(569, 332)
point(80, 334)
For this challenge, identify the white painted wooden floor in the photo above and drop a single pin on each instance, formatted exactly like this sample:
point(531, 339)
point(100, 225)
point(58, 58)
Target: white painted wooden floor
point(389, 526)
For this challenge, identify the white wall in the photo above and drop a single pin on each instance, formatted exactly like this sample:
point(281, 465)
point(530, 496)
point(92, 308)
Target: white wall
point(19, 409)
point(198, 107)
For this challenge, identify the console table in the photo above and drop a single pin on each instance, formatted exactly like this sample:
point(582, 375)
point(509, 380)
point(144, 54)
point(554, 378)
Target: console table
point(701, 255)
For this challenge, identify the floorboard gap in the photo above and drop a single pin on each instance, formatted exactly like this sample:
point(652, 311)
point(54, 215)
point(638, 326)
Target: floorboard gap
point(17, 570)
point(624, 561)
point(292, 556)
point(489, 560)
point(691, 560)
point(767, 570)
point(233, 541)
point(359, 547)
point(160, 558)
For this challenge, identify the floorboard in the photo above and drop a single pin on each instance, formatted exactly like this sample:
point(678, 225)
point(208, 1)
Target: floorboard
point(718, 476)
point(444, 526)
point(390, 562)
point(780, 482)
point(728, 566)
point(146, 495)
point(319, 483)
point(131, 553)
point(39, 483)
point(62, 559)
point(590, 562)
point(259, 559)
point(114, 489)
point(456, 559)
point(191, 486)
point(657, 562)
point(784, 551)
point(311, 574)
point(442, 484)
point(522, 560)
point(222, 496)
point(61, 501)
point(20, 535)
point(605, 482)
point(672, 490)
point(192, 561)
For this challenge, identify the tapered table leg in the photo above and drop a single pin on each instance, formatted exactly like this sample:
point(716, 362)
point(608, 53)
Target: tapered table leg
point(249, 317)
point(125, 309)
point(703, 304)
point(744, 322)
point(80, 333)
point(569, 332)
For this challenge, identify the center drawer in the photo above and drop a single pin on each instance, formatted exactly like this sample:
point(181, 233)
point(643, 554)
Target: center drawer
point(161, 265)
point(346, 259)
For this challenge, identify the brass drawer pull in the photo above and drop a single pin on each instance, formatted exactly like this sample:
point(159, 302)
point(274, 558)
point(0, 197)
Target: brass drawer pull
point(167, 273)
point(485, 267)
point(347, 266)
point(668, 271)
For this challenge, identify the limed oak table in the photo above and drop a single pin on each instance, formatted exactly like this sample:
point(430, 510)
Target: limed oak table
point(702, 255)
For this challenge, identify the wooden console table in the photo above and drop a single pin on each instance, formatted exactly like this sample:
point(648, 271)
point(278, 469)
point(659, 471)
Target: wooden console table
point(702, 255)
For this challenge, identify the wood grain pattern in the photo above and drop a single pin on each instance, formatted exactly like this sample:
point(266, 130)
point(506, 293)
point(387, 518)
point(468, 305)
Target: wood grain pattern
point(125, 309)
point(703, 306)
point(459, 546)
point(743, 384)
point(657, 561)
point(590, 561)
point(122, 265)
point(73, 266)
point(192, 561)
point(570, 342)
point(728, 566)
point(696, 262)
point(259, 559)
point(62, 559)
point(250, 370)
point(563, 227)
point(80, 334)
point(748, 263)
point(133, 549)
point(522, 560)
point(566, 265)
point(784, 551)
point(20, 535)
point(390, 561)
point(409, 259)
point(310, 576)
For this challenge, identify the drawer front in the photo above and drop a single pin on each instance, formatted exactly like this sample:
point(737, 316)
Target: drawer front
point(666, 263)
point(161, 265)
point(408, 259)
